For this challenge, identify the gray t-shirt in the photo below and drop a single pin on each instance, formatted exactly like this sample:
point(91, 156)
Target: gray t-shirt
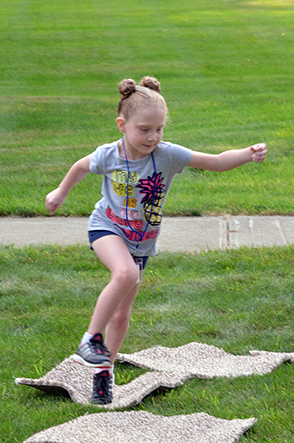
point(111, 211)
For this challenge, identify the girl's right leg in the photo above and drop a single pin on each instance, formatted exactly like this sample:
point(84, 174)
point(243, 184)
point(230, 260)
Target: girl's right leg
point(115, 255)
point(118, 325)
point(111, 313)
point(123, 287)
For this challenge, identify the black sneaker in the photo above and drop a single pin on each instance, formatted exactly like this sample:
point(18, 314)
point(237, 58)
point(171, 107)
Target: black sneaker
point(102, 388)
point(94, 353)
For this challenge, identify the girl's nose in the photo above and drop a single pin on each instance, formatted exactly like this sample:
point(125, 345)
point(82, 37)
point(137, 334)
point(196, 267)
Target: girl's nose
point(152, 135)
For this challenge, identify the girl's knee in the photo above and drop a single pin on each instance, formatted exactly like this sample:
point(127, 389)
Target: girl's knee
point(126, 276)
point(120, 319)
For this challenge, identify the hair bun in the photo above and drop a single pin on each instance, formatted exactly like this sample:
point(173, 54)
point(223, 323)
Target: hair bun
point(127, 87)
point(151, 83)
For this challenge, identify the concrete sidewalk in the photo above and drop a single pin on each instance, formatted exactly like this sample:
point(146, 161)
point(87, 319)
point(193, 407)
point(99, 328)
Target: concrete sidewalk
point(178, 234)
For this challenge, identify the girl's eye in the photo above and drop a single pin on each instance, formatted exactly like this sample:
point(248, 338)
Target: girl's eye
point(144, 130)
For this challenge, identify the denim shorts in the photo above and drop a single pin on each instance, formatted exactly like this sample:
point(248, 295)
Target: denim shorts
point(95, 235)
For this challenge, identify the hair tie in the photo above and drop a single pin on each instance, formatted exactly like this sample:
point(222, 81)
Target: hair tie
point(127, 94)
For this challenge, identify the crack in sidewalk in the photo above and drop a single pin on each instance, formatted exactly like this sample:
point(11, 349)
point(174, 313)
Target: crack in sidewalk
point(229, 231)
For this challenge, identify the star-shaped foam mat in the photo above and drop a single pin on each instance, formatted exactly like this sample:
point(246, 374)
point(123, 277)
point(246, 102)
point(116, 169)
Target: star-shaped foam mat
point(173, 367)
point(142, 427)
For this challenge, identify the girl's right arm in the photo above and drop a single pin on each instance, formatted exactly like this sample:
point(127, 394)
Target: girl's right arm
point(76, 173)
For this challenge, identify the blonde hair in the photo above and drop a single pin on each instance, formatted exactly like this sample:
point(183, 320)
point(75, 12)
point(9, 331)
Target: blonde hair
point(133, 96)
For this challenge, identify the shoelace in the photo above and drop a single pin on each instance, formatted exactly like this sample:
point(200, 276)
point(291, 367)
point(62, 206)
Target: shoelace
point(101, 383)
point(99, 343)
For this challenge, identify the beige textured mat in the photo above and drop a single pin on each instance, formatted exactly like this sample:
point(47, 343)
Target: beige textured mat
point(77, 380)
point(204, 361)
point(170, 368)
point(173, 367)
point(143, 427)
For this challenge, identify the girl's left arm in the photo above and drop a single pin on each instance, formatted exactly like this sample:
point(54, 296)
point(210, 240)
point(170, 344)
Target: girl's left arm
point(228, 160)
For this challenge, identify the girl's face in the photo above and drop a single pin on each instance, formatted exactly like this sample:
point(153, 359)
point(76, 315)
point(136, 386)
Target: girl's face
point(142, 132)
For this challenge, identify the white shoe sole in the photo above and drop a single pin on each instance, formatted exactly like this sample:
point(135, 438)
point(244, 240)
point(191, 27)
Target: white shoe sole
point(78, 359)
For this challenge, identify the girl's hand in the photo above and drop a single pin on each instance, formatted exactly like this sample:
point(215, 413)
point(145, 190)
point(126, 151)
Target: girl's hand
point(259, 152)
point(54, 200)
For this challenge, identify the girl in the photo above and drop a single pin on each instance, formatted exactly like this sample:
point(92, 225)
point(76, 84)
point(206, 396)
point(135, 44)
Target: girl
point(124, 226)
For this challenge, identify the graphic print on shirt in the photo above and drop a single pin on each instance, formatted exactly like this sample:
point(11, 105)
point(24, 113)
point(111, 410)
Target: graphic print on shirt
point(120, 180)
point(121, 188)
point(146, 187)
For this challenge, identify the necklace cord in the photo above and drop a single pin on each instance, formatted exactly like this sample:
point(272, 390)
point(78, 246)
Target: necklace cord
point(127, 200)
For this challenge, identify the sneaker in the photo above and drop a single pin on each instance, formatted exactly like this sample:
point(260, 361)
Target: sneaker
point(102, 388)
point(93, 353)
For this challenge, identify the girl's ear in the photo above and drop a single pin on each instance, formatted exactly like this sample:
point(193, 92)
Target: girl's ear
point(121, 124)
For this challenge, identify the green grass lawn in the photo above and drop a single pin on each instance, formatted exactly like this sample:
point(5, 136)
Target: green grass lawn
point(237, 300)
point(226, 73)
